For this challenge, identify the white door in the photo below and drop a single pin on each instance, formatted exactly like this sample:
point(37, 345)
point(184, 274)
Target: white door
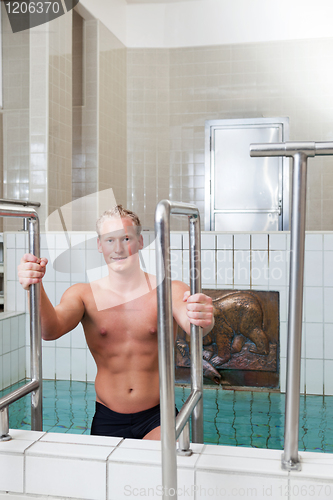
point(244, 193)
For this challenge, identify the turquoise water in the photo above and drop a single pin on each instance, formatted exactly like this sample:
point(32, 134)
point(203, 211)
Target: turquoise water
point(235, 418)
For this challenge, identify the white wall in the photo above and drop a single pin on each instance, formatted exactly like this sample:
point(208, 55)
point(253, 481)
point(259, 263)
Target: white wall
point(12, 348)
point(211, 22)
point(112, 13)
point(215, 22)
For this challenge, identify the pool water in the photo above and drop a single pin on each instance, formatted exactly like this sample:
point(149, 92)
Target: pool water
point(235, 418)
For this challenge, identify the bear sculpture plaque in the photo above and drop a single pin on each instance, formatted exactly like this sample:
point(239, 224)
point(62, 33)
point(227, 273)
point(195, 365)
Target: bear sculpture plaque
point(242, 349)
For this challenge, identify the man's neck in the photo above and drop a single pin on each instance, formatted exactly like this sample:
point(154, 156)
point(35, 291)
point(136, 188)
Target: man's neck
point(127, 283)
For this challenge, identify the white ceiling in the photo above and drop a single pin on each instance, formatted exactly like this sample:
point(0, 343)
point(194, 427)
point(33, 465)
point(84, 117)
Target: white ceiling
point(158, 1)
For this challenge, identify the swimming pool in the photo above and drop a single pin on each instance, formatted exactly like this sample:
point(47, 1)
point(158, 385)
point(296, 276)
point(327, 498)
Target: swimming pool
point(235, 418)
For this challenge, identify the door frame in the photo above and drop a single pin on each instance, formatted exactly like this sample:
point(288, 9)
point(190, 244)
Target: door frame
point(210, 127)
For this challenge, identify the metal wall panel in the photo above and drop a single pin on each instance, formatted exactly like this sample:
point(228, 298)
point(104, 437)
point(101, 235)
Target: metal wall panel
point(244, 193)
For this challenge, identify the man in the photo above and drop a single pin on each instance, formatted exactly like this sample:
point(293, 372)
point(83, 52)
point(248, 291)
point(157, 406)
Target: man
point(119, 317)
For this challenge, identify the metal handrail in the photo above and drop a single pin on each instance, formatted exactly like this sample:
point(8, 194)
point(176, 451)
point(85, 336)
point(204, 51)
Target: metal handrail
point(35, 385)
point(172, 427)
point(24, 203)
point(299, 152)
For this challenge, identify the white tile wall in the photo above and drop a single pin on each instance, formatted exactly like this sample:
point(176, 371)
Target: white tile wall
point(277, 241)
point(12, 465)
point(208, 267)
point(314, 242)
point(241, 267)
point(225, 242)
point(313, 304)
point(313, 272)
point(314, 341)
point(328, 241)
point(283, 374)
point(257, 261)
point(74, 470)
point(12, 348)
point(259, 241)
point(328, 379)
point(127, 469)
point(176, 264)
point(314, 378)
point(241, 241)
point(225, 267)
point(94, 467)
point(277, 269)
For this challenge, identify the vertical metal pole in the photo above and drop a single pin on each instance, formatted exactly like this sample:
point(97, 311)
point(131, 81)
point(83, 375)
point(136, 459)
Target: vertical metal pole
point(196, 331)
point(184, 441)
point(299, 151)
point(166, 334)
point(166, 350)
point(35, 334)
point(290, 458)
point(4, 425)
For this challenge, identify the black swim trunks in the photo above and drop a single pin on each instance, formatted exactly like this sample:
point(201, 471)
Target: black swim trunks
point(127, 425)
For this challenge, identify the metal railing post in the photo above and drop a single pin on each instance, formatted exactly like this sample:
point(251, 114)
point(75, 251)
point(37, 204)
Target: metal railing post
point(299, 152)
point(290, 458)
point(35, 334)
point(170, 426)
point(196, 335)
point(4, 425)
point(165, 348)
point(184, 441)
point(11, 208)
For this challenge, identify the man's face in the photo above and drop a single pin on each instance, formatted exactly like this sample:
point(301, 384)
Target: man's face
point(119, 243)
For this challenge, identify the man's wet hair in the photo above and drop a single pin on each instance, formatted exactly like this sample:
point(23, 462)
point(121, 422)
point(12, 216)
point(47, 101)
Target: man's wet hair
point(123, 213)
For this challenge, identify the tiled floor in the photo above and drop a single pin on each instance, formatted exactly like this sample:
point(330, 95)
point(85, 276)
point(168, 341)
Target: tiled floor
point(236, 418)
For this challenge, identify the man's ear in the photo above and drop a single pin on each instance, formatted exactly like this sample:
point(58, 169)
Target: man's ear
point(141, 242)
point(99, 246)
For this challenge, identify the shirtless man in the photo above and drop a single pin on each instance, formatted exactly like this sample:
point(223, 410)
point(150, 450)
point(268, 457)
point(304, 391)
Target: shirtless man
point(119, 317)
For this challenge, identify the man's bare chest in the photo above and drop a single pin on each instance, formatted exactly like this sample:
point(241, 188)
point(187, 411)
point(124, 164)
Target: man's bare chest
point(134, 321)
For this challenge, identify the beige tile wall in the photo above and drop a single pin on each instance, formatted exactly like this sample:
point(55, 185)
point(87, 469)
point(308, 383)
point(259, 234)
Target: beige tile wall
point(51, 115)
point(140, 129)
point(77, 59)
point(150, 172)
point(85, 119)
point(85, 124)
point(16, 85)
point(78, 66)
point(112, 166)
point(291, 78)
point(85, 112)
point(60, 112)
point(39, 117)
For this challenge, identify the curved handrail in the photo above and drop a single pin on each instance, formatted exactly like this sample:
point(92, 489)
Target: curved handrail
point(171, 427)
point(35, 384)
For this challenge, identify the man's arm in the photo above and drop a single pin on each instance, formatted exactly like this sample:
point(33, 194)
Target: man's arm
point(196, 309)
point(55, 321)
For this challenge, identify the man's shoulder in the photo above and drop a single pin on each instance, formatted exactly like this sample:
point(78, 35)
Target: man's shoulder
point(179, 285)
point(78, 290)
point(179, 288)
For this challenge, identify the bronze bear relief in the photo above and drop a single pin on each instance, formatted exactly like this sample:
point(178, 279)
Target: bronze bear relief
point(242, 348)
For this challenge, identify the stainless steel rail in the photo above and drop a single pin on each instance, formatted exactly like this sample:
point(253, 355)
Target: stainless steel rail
point(172, 427)
point(24, 203)
point(35, 385)
point(299, 152)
